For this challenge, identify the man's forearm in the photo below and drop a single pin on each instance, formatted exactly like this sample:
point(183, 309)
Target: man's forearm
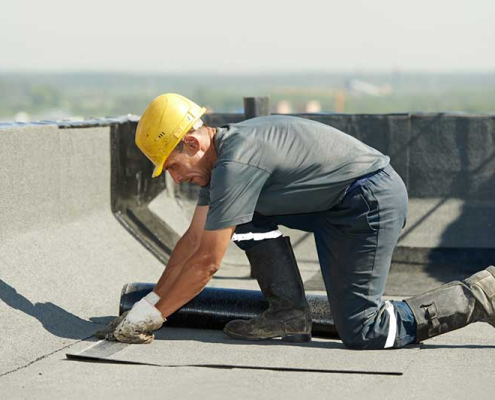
point(182, 252)
point(193, 277)
point(144, 317)
point(181, 281)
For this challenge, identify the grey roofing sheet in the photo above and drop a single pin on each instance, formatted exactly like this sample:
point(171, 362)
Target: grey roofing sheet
point(194, 347)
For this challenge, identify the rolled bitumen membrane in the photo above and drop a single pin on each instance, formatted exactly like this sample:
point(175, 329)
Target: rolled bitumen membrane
point(213, 308)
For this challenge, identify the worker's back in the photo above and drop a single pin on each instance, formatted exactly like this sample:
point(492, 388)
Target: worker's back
point(282, 165)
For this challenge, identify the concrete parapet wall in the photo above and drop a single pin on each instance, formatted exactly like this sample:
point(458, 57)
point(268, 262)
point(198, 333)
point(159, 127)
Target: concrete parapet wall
point(446, 160)
point(45, 177)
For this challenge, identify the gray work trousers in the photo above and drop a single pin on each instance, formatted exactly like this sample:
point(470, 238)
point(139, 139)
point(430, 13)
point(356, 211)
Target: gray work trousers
point(355, 240)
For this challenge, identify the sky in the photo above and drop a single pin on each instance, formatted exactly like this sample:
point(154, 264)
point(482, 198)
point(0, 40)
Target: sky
point(255, 36)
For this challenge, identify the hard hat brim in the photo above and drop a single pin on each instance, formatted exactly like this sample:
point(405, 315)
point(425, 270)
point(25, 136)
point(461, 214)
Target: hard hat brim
point(158, 170)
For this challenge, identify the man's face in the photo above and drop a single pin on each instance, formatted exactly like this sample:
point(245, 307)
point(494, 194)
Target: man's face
point(185, 166)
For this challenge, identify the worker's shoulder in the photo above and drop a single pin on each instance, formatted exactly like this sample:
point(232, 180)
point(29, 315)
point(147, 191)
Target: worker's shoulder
point(282, 123)
point(273, 120)
point(248, 135)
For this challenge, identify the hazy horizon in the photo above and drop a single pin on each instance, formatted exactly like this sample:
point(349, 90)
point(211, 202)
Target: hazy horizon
point(260, 37)
point(246, 73)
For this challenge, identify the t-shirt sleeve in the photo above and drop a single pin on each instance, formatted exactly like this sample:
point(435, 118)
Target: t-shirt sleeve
point(204, 196)
point(234, 192)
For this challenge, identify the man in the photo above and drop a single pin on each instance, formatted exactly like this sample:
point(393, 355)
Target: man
point(267, 171)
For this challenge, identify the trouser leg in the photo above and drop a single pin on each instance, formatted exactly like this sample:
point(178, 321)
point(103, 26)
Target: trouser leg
point(355, 241)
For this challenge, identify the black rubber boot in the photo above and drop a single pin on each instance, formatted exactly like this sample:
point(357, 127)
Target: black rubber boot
point(288, 315)
point(455, 305)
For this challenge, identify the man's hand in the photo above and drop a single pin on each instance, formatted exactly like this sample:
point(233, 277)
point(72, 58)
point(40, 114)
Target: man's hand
point(107, 332)
point(138, 324)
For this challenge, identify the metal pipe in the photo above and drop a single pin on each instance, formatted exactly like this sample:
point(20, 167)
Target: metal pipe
point(214, 307)
point(256, 106)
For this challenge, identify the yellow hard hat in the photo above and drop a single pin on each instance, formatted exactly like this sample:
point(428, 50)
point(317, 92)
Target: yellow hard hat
point(163, 125)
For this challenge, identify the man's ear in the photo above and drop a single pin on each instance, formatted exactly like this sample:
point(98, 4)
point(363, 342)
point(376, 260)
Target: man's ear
point(191, 142)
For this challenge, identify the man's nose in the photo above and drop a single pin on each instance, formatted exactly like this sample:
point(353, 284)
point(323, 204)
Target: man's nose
point(175, 176)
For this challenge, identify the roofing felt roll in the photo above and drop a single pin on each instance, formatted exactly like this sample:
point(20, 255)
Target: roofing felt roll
point(215, 307)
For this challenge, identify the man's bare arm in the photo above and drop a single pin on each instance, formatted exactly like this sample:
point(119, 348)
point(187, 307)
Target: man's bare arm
point(188, 271)
point(183, 250)
point(197, 271)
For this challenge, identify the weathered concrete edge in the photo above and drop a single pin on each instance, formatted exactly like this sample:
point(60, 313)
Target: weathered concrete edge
point(93, 122)
point(67, 124)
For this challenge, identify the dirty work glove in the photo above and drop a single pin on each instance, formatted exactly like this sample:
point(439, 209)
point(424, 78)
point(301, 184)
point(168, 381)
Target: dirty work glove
point(107, 332)
point(138, 324)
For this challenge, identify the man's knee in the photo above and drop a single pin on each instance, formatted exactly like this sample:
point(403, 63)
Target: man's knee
point(357, 340)
point(390, 325)
point(371, 330)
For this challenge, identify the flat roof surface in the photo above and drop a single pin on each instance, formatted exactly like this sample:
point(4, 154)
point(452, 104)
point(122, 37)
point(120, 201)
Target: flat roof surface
point(457, 365)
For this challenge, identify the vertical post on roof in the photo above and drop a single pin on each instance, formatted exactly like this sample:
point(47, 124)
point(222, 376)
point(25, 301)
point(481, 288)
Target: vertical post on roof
point(256, 107)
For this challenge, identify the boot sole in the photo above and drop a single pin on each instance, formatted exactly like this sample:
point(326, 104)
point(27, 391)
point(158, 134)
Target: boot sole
point(291, 338)
point(297, 338)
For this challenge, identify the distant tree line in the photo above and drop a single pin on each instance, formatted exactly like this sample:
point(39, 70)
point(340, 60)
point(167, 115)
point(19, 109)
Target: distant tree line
point(105, 94)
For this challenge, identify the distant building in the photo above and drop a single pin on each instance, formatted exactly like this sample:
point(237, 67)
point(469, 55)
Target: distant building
point(340, 100)
point(22, 116)
point(358, 88)
point(313, 106)
point(283, 107)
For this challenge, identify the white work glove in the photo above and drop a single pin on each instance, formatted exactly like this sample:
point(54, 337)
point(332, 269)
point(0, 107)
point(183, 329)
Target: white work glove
point(141, 320)
point(107, 331)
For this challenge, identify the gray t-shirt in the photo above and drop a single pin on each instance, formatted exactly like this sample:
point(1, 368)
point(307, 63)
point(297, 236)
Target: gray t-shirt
point(278, 165)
